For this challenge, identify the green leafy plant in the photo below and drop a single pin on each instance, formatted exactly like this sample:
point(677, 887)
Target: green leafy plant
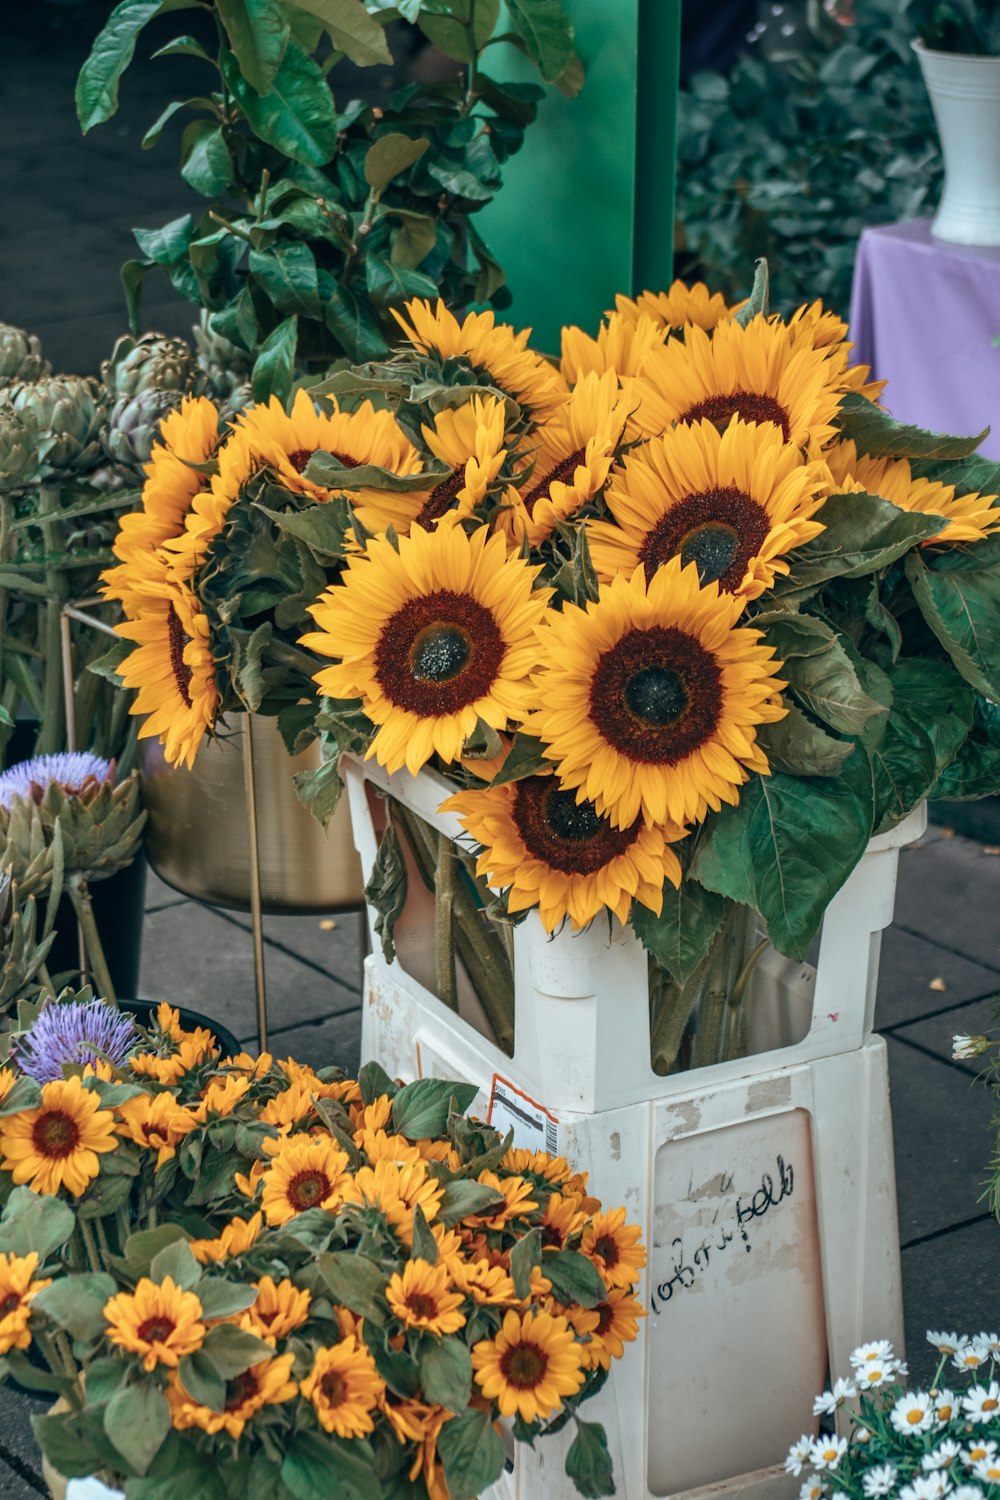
point(969, 26)
point(322, 217)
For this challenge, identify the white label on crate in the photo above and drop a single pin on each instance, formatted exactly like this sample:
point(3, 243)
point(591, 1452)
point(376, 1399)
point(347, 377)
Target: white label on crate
point(535, 1127)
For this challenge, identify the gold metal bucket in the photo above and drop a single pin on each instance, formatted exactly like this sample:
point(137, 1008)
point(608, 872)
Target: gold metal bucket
point(197, 833)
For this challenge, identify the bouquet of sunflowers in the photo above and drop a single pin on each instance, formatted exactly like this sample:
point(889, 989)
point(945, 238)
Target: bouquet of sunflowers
point(684, 618)
point(244, 1278)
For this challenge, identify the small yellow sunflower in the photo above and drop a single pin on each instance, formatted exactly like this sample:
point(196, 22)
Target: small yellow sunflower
point(264, 1384)
point(377, 1146)
point(432, 638)
point(678, 307)
point(733, 502)
point(968, 518)
point(762, 373)
point(373, 1116)
point(172, 671)
point(470, 439)
point(345, 1388)
point(622, 346)
point(304, 1173)
point(157, 1122)
point(236, 464)
point(222, 1096)
point(17, 1291)
point(614, 1248)
point(395, 1192)
point(562, 1220)
point(575, 450)
point(237, 1236)
point(538, 1163)
point(488, 1285)
point(57, 1145)
point(533, 1362)
point(518, 1200)
point(168, 1019)
point(193, 1049)
point(651, 697)
point(617, 1325)
point(280, 1308)
point(159, 1321)
point(548, 850)
point(292, 1106)
point(422, 1297)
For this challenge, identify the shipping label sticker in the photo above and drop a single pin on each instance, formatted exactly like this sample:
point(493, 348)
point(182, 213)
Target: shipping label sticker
point(535, 1127)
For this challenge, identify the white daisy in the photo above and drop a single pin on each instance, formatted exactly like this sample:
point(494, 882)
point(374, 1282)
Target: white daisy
point(798, 1454)
point(826, 1452)
point(940, 1457)
point(964, 1046)
point(827, 1404)
point(926, 1487)
point(982, 1403)
point(880, 1350)
point(913, 1412)
point(812, 1489)
point(945, 1404)
point(971, 1356)
point(877, 1373)
point(879, 1481)
point(988, 1469)
point(966, 1492)
point(977, 1451)
point(991, 1341)
point(947, 1343)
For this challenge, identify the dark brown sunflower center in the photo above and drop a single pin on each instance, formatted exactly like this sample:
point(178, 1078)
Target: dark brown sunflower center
point(441, 498)
point(306, 1189)
point(241, 1389)
point(10, 1304)
point(552, 1237)
point(333, 1388)
point(55, 1134)
point(299, 459)
point(524, 1366)
point(752, 406)
point(422, 1306)
point(566, 834)
point(156, 1329)
point(720, 530)
point(656, 696)
point(606, 1249)
point(606, 1316)
point(179, 667)
point(438, 653)
point(561, 474)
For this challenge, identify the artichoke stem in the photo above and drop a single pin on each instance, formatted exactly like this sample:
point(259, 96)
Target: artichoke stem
point(50, 736)
point(83, 906)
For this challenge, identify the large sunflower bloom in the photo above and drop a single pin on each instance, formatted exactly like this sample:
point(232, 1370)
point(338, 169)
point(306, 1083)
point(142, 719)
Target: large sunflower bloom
point(345, 1388)
point(158, 1321)
point(734, 502)
point(545, 849)
point(304, 1173)
point(433, 638)
point(762, 373)
point(651, 697)
point(172, 671)
point(57, 1144)
point(494, 351)
point(422, 1297)
point(156, 1121)
point(614, 1248)
point(264, 1384)
point(529, 1367)
point(17, 1291)
point(575, 451)
point(678, 306)
point(470, 440)
point(395, 1192)
point(968, 518)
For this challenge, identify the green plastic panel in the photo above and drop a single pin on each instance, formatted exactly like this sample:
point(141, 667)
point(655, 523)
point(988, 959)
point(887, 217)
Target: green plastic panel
point(587, 207)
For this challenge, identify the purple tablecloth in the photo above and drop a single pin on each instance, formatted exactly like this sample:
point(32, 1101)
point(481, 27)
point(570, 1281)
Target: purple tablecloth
point(924, 315)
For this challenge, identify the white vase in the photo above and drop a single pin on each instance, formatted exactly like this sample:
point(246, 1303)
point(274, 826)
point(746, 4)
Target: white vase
point(965, 94)
point(92, 1489)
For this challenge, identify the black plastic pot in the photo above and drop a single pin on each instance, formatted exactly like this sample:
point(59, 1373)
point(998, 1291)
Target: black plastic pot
point(145, 1010)
point(118, 912)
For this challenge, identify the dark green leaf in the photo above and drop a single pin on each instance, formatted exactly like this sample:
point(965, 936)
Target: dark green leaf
point(448, 26)
point(863, 533)
point(958, 592)
point(141, 1247)
point(425, 1246)
point(463, 1199)
point(32, 1221)
point(320, 790)
point(445, 1372)
point(258, 34)
point(322, 527)
point(681, 935)
point(137, 1419)
point(31, 1376)
point(588, 1462)
point(26, 1094)
point(232, 1350)
point(471, 1453)
point(352, 322)
point(421, 1109)
point(415, 238)
point(374, 1082)
point(221, 1299)
point(545, 29)
point(287, 272)
point(815, 662)
point(177, 1261)
point(356, 1282)
point(321, 1467)
point(77, 1303)
point(207, 163)
point(274, 367)
point(525, 1255)
point(352, 30)
point(386, 889)
point(202, 1381)
point(113, 50)
point(929, 721)
point(876, 432)
point(758, 301)
point(168, 244)
point(389, 155)
point(574, 1278)
point(797, 745)
point(524, 759)
point(297, 115)
point(74, 1442)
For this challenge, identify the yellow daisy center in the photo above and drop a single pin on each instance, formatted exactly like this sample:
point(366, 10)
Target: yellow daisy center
point(914, 1416)
point(438, 653)
point(720, 530)
point(179, 667)
point(561, 474)
point(566, 834)
point(752, 406)
point(307, 1189)
point(524, 1366)
point(55, 1134)
point(990, 1404)
point(656, 695)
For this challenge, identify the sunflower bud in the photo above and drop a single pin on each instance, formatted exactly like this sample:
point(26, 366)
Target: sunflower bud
point(18, 449)
point(70, 412)
point(101, 825)
point(152, 362)
point(20, 355)
point(135, 425)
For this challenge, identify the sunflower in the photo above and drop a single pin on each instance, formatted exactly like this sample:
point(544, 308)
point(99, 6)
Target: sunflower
point(418, 1422)
point(617, 1325)
point(159, 1321)
point(968, 518)
point(575, 451)
point(433, 638)
point(422, 1298)
point(263, 1384)
point(545, 849)
point(734, 502)
point(563, 1218)
point(622, 346)
point(470, 440)
point(236, 464)
point(237, 1236)
point(303, 1174)
point(824, 330)
point(189, 436)
point(486, 1284)
point(172, 671)
point(345, 1388)
point(373, 1116)
point(395, 1192)
point(57, 1144)
point(498, 355)
point(378, 1146)
point(533, 1362)
point(157, 1122)
point(17, 1291)
point(168, 1019)
point(280, 1308)
point(518, 1201)
point(291, 1107)
point(651, 697)
point(193, 1049)
point(222, 1096)
point(538, 1163)
point(678, 307)
point(614, 1248)
point(762, 373)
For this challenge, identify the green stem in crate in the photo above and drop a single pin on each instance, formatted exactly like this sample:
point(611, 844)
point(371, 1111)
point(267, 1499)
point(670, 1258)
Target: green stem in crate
point(89, 1244)
point(52, 728)
point(444, 943)
point(76, 887)
point(123, 1226)
point(709, 1034)
point(739, 1003)
point(102, 1240)
point(671, 1015)
point(6, 511)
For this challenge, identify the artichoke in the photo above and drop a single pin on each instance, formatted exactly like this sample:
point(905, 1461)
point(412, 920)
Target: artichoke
point(70, 413)
point(20, 356)
point(135, 425)
point(226, 365)
point(18, 449)
point(152, 362)
point(91, 832)
point(240, 397)
point(21, 955)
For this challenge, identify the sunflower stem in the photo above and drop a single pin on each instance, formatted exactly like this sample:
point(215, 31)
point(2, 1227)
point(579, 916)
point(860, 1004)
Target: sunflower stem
point(672, 1012)
point(444, 901)
point(84, 908)
point(102, 1241)
point(123, 1226)
point(50, 736)
point(89, 1245)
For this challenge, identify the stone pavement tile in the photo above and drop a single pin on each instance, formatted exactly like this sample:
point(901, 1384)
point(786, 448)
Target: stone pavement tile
point(949, 894)
point(934, 1033)
point(950, 1284)
point(20, 1461)
point(334, 951)
point(335, 1042)
point(941, 1121)
point(907, 968)
point(159, 894)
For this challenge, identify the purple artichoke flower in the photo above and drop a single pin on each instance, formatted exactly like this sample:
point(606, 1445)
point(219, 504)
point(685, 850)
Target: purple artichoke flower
point(75, 1032)
point(76, 771)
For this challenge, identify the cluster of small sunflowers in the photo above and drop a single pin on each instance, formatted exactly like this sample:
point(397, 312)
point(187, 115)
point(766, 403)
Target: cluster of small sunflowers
point(614, 588)
point(243, 1271)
